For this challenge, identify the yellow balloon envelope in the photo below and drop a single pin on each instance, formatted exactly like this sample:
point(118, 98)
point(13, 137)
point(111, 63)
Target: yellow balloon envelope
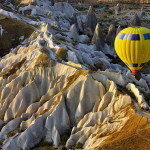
point(132, 45)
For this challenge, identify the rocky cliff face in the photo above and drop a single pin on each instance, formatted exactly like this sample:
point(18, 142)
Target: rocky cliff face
point(48, 88)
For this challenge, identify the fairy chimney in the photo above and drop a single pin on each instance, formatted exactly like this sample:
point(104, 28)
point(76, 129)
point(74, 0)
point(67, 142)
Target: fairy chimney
point(98, 38)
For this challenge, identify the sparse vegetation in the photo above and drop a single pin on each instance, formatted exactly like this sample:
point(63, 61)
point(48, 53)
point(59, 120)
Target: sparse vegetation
point(61, 54)
point(80, 8)
point(107, 5)
point(74, 43)
point(110, 12)
point(60, 39)
point(79, 146)
point(44, 144)
point(12, 133)
point(96, 6)
point(10, 36)
point(65, 137)
point(44, 50)
point(57, 42)
point(14, 69)
point(58, 29)
point(64, 148)
point(43, 60)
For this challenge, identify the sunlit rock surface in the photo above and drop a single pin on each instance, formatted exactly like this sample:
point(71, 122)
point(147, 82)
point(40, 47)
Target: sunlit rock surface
point(52, 84)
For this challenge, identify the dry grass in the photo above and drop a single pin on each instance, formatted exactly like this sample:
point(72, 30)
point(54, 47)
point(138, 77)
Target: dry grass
point(61, 54)
point(137, 136)
point(43, 60)
point(58, 29)
point(43, 145)
point(12, 133)
point(14, 69)
point(44, 50)
point(13, 30)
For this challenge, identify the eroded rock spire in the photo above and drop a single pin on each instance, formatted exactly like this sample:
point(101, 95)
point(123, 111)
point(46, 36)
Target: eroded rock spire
point(111, 35)
point(118, 9)
point(135, 21)
point(98, 38)
point(91, 22)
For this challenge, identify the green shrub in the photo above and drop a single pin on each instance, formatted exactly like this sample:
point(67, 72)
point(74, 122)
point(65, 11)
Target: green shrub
point(44, 143)
point(79, 146)
point(110, 12)
point(64, 148)
point(61, 54)
point(65, 137)
point(81, 8)
point(96, 6)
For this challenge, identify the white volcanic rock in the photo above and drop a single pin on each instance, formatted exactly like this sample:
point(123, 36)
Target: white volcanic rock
point(98, 38)
point(33, 134)
point(135, 21)
point(91, 22)
point(53, 121)
point(80, 24)
point(74, 33)
point(84, 39)
point(118, 9)
point(12, 125)
point(64, 8)
point(110, 37)
point(89, 124)
point(138, 95)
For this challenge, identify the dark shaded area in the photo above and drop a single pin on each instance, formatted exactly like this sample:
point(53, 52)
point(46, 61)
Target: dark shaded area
point(12, 30)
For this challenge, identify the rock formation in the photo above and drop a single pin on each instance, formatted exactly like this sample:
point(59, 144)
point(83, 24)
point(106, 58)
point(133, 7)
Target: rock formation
point(1, 30)
point(98, 38)
point(48, 90)
point(142, 12)
point(118, 9)
point(110, 37)
point(77, 20)
point(74, 33)
point(91, 22)
point(8, 33)
point(73, 19)
point(135, 21)
point(80, 24)
point(118, 30)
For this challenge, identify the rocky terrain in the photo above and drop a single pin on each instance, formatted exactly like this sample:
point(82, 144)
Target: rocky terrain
point(62, 85)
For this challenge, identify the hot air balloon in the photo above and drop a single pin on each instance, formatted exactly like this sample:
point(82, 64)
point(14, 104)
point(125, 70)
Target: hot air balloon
point(132, 45)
